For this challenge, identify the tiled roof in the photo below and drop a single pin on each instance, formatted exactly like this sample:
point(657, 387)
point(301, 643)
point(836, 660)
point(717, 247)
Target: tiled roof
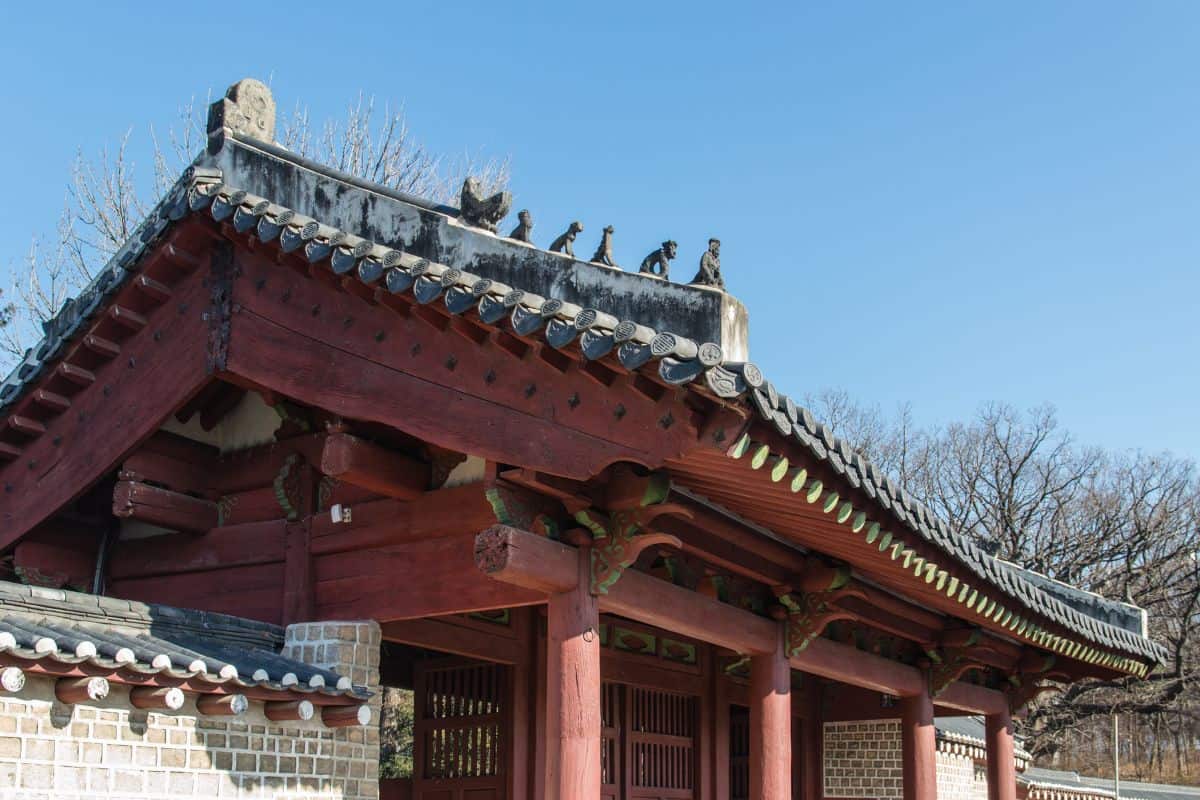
point(211, 651)
point(1074, 783)
point(676, 359)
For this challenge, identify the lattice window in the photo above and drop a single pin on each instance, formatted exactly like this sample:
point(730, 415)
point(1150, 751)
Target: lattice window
point(662, 741)
point(462, 718)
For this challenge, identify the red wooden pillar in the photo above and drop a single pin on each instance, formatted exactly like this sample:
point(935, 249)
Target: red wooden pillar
point(1001, 767)
point(771, 725)
point(573, 690)
point(813, 742)
point(919, 746)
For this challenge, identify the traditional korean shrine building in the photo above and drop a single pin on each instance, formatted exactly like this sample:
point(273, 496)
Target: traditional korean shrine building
point(366, 440)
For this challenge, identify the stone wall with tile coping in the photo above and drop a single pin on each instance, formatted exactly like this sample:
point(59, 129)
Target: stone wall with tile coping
point(862, 760)
point(109, 750)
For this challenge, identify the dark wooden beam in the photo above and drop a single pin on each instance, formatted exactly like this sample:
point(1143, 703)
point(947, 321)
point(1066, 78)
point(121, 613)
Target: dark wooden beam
point(416, 579)
point(243, 545)
point(380, 523)
point(336, 351)
point(361, 463)
point(163, 507)
point(655, 602)
point(176, 462)
point(448, 636)
point(113, 410)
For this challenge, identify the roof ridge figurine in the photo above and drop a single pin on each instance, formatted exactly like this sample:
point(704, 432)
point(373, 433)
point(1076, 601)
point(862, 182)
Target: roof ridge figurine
point(710, 267)
point(658, 263)
point(483, 212)
point(524, 230)
point(604, 254)
point(566, 242)
point(247, 109)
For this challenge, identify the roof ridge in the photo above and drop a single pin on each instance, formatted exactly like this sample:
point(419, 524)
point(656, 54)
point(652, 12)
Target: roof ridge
point(680, 361)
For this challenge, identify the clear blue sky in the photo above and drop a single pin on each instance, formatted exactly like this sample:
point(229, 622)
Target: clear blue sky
point(945, 203)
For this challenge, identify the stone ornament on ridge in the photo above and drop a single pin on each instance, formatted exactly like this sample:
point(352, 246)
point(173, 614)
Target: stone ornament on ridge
point(659, 262)
point(482, 212)
point(710, 267)
point(524, 230)
point(566, 242)
point(247, 109)
point(604, 254)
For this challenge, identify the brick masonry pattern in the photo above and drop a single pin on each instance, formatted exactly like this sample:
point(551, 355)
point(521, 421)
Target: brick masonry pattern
point(863, 762)
point(110, 750)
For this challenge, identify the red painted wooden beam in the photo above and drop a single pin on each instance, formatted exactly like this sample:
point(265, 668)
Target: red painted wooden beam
point(162, 507)
point(113, 410)
point(533, 561)
point(361, 463)
point(365, 361)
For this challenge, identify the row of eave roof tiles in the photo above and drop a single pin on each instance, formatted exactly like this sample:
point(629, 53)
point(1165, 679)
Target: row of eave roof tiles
point(678, 360)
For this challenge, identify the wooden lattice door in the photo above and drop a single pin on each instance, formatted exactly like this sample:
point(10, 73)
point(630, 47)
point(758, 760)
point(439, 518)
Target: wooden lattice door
point(460, 747)
point(612, 697)
point(660, 745)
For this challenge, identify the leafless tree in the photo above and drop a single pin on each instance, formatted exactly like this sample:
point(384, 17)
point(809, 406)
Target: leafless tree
point(107, 197)
point(1123, 525)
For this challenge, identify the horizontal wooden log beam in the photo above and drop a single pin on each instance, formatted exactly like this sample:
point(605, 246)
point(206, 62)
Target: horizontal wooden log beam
point(160, 368)
point(379, 523)
point(361, 463)
point(80, 690)
point(539, 564)
point(427, 577)
point(248, 544)
point(537, 561)
point(228, 705)
point(972, 699)
point(345, 716)
point(446, 636)
point(170, 698)
point(162, 507)
point(526, 560)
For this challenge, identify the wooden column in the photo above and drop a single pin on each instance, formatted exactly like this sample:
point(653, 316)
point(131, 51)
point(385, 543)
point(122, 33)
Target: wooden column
point(573, 690)
point(771, 724)
point(813, 741)
point(1001, 767)
point(919, 746)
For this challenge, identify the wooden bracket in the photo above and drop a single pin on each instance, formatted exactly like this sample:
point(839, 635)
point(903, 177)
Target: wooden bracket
point(521, 509)
point(617, 543)
point(952, 659)
point(621, 534)
point(289, 487)
point(810, 612)
point(1024, 686)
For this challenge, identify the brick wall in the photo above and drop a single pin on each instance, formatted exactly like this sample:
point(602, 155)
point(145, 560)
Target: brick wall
point(110, 750)
point(960, 777)
point(863, 761)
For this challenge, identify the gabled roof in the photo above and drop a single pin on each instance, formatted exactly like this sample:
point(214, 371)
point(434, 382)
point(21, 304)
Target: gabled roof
point(219, 186)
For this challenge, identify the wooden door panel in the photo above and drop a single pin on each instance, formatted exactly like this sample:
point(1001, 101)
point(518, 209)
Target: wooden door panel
point(460, 731)
point(661, 744)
